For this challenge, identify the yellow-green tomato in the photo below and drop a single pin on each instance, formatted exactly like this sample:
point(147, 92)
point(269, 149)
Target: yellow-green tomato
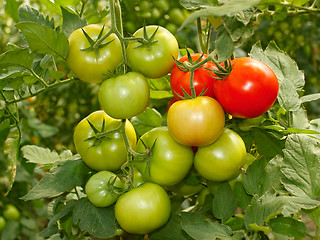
point(2, 223)
point(222, 160)
point(168, 162)
point(103, 153)
point(93, 66)
point(154, 59)
point(124, 96)
point(103, 188)
point(143, 209)
point(10, 212)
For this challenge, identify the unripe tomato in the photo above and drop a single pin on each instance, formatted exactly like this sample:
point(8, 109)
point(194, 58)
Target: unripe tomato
point(92, 66)
point(10, 212)
point(102, 187)
point(107, 153)
point(124, 96)
point(143, 209)
point(2, 223)
point(196, 122)
point(223, 159)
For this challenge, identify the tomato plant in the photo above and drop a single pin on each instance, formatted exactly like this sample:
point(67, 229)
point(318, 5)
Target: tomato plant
point(93, 63)
point(124, 96)
point(102, 152)
point(168, 162)
point(153, 58)
point(196, 122)
point(250, 89)
point(223, 159)
point(103, 188)
point(143, 209)
point(202, 80)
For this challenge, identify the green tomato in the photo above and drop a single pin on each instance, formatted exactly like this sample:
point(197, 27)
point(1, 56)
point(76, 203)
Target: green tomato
point(154, 59)
point(184, 189)
point(169, 161)
point(108, 153)
point(143, 209)
point(124, 96)
point(11, 212)
point(2, 223)
point(93, 66)
point(223, 159)
point(103, 188)
point(176, 15)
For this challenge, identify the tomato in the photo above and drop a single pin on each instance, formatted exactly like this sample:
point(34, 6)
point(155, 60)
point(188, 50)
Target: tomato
point(184, 189)
point(196, 122)
point(143, 209)
point(107, 153)
point(177, 16)
point(202, 80)
point(248, 123)
point(2, 223)
point(10, 212)
point(124, 96)
point(92, 66)
point(168, 163)
point(250, 89)
point(155, 59)
point(103, 188)
point(172, 101)
point(223, 159)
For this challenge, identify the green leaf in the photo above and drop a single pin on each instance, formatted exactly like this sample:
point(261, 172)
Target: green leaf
point(61, 178)
point(11, 9)
point(71, 21)
point(39, 155)
point(146, 121)
point(224, 204)
point(310, 97)
point(223, 44)
point(42, 129)
point(288, 226)
point(29, 14)
point(242, 197)
point(11, 230)
point(45, 40)
point(19, 57)
point(200, 228)
point(99, 222)
point(301, 170)
point(289, 76)
point(195, 4)
point(171, 230)
point(69, 207)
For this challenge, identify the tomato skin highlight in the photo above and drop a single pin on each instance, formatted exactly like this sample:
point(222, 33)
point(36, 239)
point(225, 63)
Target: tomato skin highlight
point(196, 122)
point(124, 96)
point(202, 80)
point(155, 60)
point(143, 209)
point(111, 152)
point(170, 161)
point(85, 64)
point(250, 89)
point(222, 160)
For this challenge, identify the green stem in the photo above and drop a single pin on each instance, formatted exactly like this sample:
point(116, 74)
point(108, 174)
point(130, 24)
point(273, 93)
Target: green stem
point(193, 91)
point(39, 78)
point(199, 28)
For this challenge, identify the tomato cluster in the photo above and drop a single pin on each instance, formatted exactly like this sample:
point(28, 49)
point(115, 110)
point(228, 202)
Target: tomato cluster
point(138, 176)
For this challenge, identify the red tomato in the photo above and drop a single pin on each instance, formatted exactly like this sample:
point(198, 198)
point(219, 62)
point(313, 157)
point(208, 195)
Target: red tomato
point(250, 89)
point(201, 80)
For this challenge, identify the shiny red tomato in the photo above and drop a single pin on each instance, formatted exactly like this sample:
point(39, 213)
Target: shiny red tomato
point(202, 80)
point(250, 89)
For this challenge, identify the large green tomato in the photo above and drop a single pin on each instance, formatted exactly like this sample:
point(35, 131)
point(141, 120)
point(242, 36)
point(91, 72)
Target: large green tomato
point(109, 152)
point(223, 159)
point(124, 96)
point(93, 66)
point(103, 188)
point(10, 212)
point(154, 59)
point(168, 162)
point(143, 209)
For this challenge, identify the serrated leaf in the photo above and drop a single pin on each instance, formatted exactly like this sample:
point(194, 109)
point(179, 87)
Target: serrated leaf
point(224, 204)
point(19, 57)
point(100, 222)
point(39, 155)
point(44, 40)
point(301, 170)
point(147, 120)
point(60, 179)
point(201, 229)
point(196, 4)
point(289, 76)
point(71, 21)
point(288, 226)
point(30, 14)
